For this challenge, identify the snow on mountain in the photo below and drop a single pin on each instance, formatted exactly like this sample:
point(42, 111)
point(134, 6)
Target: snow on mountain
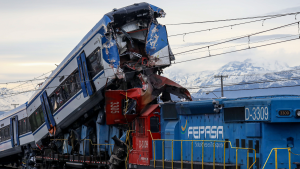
point(248, 71)
point(239, 73)
point(8, 97)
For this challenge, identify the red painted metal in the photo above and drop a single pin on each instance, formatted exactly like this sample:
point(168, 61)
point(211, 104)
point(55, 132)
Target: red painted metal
point(141, 152)
point(115, 104)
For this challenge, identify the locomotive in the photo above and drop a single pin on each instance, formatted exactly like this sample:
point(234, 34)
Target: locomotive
point(251, 132)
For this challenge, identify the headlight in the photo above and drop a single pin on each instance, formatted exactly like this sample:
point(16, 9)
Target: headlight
point(298, 113)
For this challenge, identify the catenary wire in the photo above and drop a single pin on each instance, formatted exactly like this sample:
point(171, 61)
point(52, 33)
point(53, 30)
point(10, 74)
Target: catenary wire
point(247, 36)
point(36, 79)
point(234, 19)
point(196, 58)
point(221, 27)
point(241, 49)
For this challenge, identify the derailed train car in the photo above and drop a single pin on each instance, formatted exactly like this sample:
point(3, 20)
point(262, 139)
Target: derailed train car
point(107, 79)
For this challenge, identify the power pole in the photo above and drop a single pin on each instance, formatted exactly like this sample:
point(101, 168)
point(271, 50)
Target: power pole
point(14, 105)
point(222, 76)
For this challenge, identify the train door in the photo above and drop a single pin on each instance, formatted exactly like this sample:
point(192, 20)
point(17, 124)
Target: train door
point(50, 122)
point(85, 80)
point(14, 133)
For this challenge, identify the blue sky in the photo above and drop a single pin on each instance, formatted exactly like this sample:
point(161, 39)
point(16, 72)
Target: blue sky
point(35, 35)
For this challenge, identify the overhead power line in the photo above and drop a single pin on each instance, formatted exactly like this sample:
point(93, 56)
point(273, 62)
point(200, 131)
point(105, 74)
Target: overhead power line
point(245, 83)
point(240, 37)
point(182, 61)
point(221, 27)
point(188, 87)
point(218, 44)
point(241, 44)
point(235, 51)
point(234, 19)
point(247, 36)
point(271, 87)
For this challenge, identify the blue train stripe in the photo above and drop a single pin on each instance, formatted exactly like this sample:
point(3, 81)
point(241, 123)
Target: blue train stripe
point(67, 103)
point(66, 64)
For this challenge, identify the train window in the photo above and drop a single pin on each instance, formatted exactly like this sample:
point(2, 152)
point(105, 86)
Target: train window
point(53, 102)
point(23, 123)
point(32, 121)
point(94, 63)
point(0, 135)
point(66, 90)
point(28, 126)
point(38, 118)
point(154, 124)
point(58, 97)
point(20, 127)
point(74, 83)
point(42, 115)
point(6, 132)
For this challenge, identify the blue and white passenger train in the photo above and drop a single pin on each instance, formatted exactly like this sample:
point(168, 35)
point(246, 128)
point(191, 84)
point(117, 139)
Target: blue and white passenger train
point(15, 135)
point(125, 50)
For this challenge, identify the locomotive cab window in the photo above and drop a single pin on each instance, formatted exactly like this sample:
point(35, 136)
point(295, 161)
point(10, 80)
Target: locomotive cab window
point(154, 124)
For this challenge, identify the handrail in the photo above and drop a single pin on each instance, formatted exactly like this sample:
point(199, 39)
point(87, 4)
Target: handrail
point(275, 150)
point(192, 141)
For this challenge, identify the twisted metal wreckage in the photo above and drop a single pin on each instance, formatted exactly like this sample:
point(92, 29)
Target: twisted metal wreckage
point(137, 48)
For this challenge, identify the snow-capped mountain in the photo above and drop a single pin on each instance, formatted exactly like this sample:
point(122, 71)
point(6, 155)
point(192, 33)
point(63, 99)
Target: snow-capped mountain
point(255, 74)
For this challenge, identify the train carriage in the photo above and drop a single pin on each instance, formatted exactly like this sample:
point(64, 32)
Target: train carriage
point(15, 135)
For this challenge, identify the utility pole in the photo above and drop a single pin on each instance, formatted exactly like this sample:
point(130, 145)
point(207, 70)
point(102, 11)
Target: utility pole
point(222, 76)
point(14, 105)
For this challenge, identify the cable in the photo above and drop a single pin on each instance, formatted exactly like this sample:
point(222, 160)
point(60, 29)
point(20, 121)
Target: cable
point(221, 27)
point(235, 51)
point(186, 60)
point(253, 88)
point(209, 86)
point(245, 83)
point(234, 19)
point(35, 79)
point(221, 53)
point(240, 45)
point(238, 38)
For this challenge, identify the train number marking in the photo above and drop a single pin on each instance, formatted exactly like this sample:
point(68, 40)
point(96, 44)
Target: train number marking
point(114, 107)
point(143, 144)
point(256, 113)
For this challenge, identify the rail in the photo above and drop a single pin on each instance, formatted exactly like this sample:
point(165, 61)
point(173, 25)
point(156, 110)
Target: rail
point(192, 147)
